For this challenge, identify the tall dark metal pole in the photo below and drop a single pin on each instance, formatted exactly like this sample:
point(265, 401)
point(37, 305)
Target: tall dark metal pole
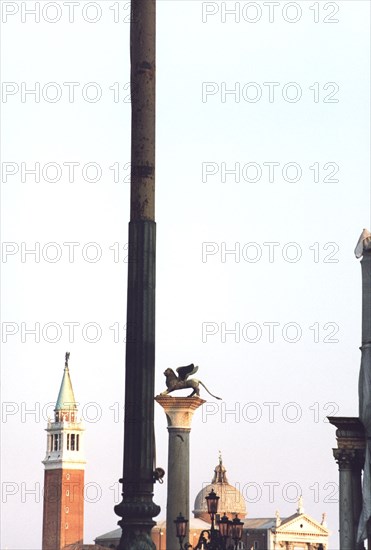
point(137, 507)
point(364, 249)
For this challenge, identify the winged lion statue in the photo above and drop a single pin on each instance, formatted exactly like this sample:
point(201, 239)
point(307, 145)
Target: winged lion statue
point(182, 381)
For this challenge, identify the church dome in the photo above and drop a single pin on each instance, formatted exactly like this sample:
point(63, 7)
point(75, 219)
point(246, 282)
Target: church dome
point(231, 500)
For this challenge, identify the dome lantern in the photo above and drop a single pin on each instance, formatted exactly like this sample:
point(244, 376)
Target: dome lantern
point(231, 501)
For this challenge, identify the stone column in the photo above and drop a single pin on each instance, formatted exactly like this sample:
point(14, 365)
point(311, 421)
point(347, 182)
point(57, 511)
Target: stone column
point(349, 455)
point(366, 297)
point(364, 377)
point(179, 412)
point(357, 467)
point(345, 459)
point(137, 508)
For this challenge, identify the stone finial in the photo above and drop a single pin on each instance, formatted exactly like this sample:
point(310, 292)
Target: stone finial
point(278, 518)
point(324, 519)
point(300, 508)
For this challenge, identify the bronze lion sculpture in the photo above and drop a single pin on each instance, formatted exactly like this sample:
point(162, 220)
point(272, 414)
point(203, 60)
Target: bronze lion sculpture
point(181, 382)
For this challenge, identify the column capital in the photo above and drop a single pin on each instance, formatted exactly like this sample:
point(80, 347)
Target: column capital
point(348, 459)
point(179, 410)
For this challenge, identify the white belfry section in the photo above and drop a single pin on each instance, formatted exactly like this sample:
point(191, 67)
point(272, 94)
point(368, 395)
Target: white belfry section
point(65, 441)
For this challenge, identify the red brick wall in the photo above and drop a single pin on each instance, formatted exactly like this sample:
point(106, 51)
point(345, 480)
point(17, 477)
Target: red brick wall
point(63, 516)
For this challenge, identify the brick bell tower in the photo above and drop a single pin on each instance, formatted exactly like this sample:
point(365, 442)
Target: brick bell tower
point(63, 517)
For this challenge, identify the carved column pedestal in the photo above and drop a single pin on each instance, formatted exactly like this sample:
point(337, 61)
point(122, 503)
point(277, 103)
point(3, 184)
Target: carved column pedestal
point(179, 412)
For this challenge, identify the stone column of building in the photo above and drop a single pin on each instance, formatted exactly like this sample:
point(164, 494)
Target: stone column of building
point(358, 463)
point(179, 412)
point(350, 457)
point(345, 458)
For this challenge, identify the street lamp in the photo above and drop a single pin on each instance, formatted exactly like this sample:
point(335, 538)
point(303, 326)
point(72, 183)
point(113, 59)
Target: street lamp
point(181, 529)
point(211, 539)
point(236, 529)
point(212, 501)
point(224, 527)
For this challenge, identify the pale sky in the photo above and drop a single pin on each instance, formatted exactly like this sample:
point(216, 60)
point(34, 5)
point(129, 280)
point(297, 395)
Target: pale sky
point(296, 132)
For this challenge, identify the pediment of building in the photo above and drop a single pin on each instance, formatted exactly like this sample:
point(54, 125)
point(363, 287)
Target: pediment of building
point(301, 524)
